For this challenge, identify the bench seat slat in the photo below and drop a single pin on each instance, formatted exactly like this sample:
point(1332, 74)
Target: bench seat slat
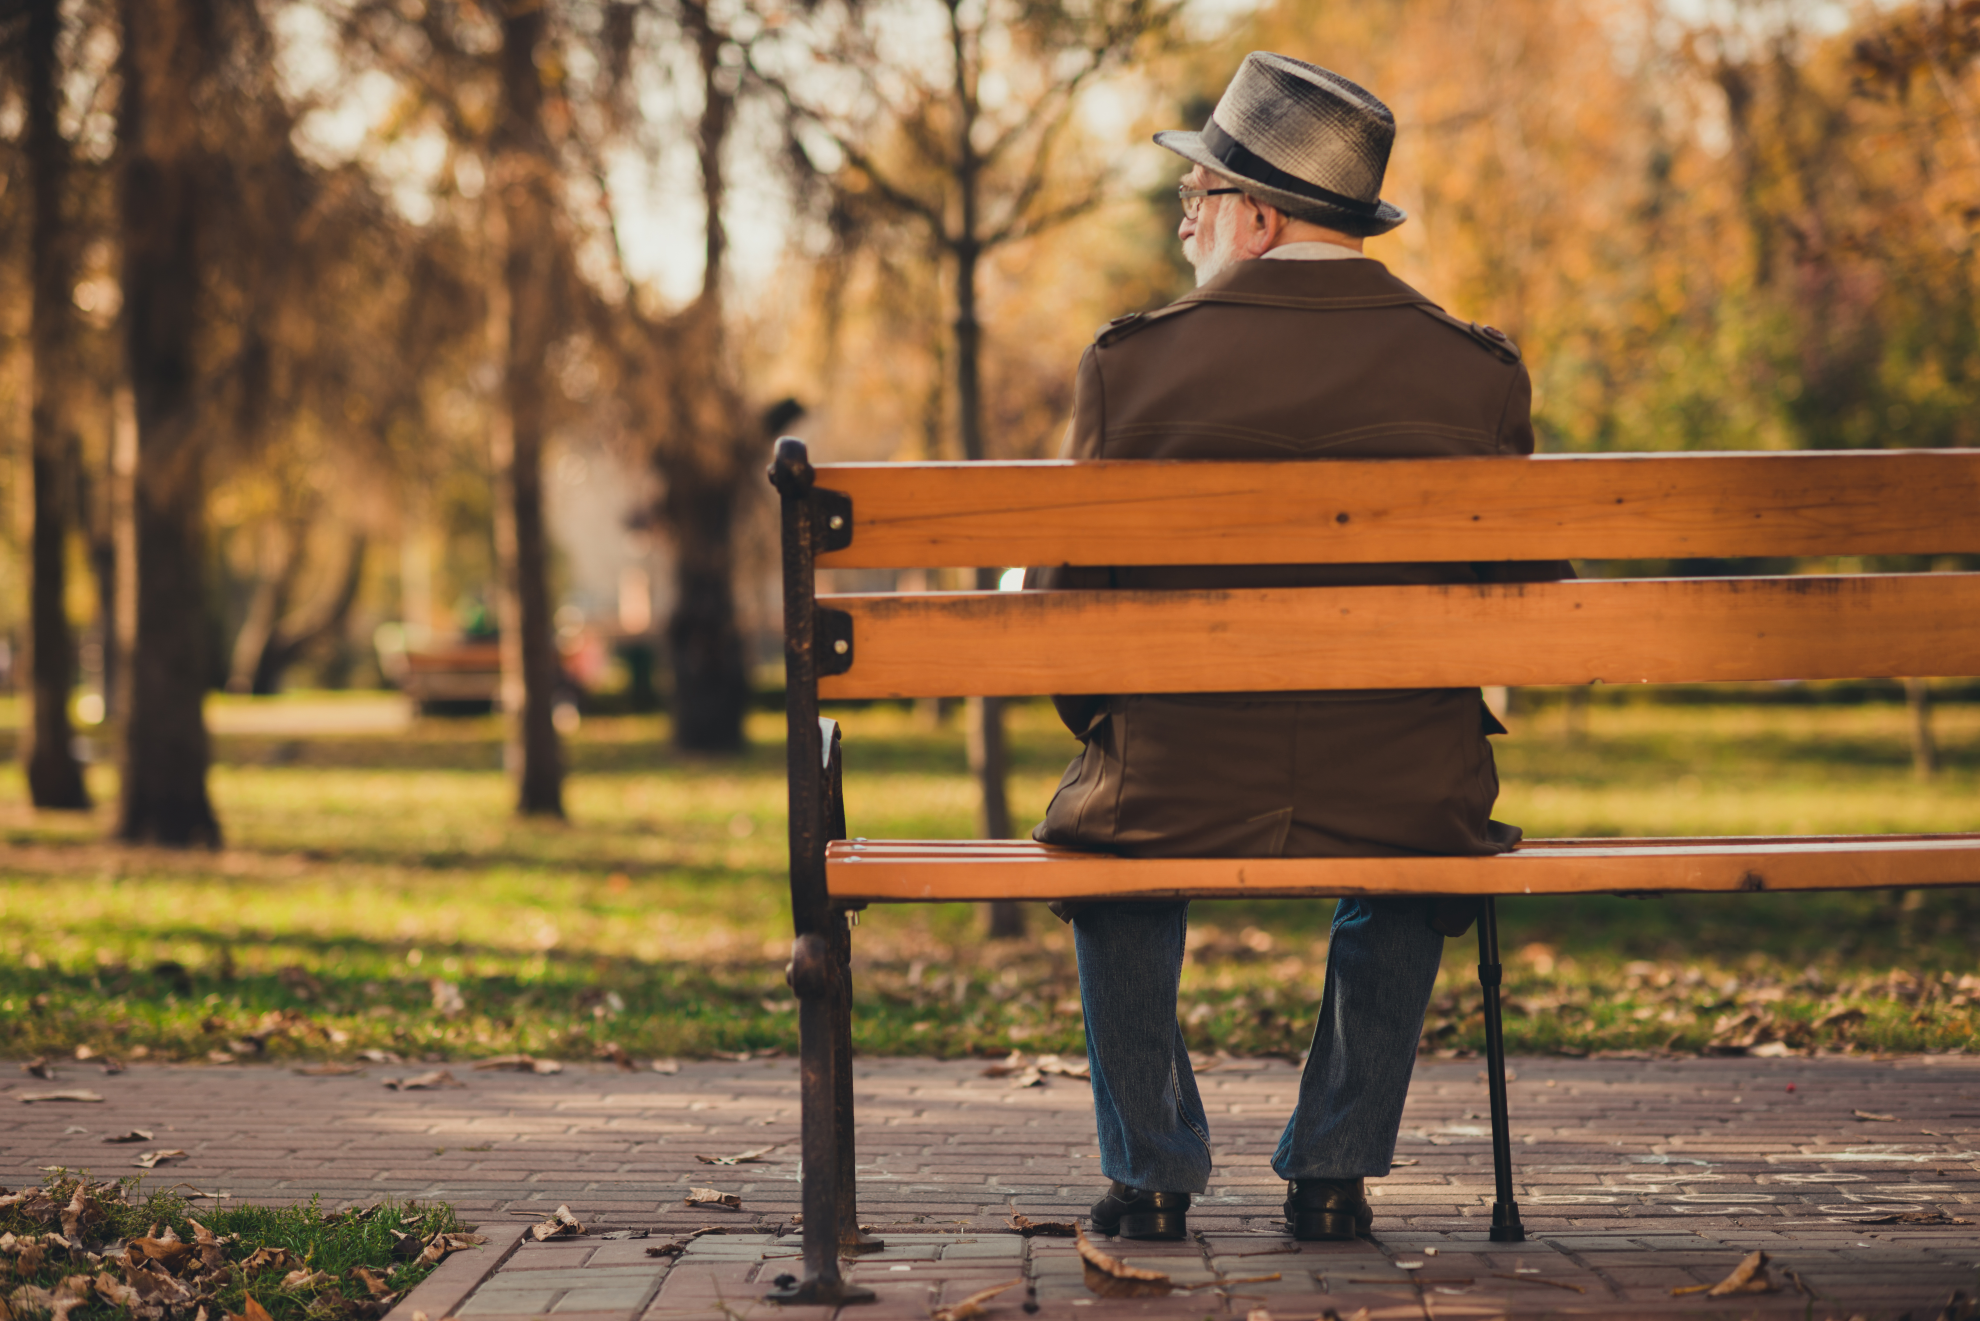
point(998, 644)
point(920, 871)
point(1622, 506)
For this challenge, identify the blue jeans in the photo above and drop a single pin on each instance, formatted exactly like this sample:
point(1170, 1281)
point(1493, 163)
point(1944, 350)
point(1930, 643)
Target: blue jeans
point(1381, 966)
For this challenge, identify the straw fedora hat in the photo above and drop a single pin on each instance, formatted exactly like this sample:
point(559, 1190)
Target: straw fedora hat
point(1304, 139)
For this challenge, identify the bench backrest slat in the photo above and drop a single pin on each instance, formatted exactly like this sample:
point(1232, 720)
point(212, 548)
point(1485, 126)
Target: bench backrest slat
point(1616, 631)
point(1635, 506)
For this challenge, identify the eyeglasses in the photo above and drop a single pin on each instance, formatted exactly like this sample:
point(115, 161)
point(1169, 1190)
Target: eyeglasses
point(1192, 198)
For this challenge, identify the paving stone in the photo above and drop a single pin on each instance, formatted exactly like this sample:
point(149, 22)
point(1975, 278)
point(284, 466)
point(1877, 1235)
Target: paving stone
point(1638, 1173)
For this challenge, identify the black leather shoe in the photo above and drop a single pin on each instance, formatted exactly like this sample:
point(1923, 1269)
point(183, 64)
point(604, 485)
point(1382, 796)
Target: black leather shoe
point(1135, 1213)
point(1318, 1210)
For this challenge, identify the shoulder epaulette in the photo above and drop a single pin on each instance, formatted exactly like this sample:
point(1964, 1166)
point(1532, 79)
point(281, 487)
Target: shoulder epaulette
point(1123, 326)
point(1490, 337)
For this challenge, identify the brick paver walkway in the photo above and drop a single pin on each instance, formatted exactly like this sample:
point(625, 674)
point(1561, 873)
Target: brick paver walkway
point(1635, 1177)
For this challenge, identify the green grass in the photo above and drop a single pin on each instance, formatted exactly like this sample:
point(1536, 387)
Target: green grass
point(361, 870)
point(249, 1265)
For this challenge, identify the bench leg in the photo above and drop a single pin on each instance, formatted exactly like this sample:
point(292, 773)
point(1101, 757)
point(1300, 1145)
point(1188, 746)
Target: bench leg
point(852, 1239)
point(1505, 1211)
point(823, 1005)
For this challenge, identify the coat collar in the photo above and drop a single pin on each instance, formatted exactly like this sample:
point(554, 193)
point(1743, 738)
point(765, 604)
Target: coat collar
point(1350, 283)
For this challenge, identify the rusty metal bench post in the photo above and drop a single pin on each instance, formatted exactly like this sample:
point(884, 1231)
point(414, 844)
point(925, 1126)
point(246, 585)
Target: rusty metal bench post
point(1505, 1211)
point(818, 973)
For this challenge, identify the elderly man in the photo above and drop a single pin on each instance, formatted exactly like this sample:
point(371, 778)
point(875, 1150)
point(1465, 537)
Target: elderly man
point(1293, 345)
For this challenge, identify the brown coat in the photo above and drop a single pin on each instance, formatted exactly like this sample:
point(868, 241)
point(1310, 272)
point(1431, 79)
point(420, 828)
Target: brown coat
point(1279, 359)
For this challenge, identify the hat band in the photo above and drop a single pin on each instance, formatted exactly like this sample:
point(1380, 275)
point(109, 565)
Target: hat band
point(1252, 166)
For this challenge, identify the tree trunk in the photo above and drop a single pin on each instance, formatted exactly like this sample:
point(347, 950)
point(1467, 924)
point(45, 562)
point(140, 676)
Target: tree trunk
point(1924, 748)
point(54, 777)
point(529, 644)
point(165, 743)
point(985, 715)
point(711, 687)
point(715, 453)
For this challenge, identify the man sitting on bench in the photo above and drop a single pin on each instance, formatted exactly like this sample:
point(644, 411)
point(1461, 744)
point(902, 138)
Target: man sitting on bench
point(1293, 345)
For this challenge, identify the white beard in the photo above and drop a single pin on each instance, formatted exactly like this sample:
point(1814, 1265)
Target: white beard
point(1221, 252)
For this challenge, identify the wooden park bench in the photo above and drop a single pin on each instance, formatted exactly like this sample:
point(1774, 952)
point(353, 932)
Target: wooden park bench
point(1593, 507)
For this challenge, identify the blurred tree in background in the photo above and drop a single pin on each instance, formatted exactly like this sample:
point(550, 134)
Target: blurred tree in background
point(54, 775)
point(301, 300)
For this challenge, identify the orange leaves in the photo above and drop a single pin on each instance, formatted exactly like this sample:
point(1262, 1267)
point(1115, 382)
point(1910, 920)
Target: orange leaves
point(250, 1311)
point(1750, 1276)
point(1110, 1277)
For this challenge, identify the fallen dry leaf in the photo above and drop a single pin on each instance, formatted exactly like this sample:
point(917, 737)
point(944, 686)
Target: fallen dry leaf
point(270, 1259)
point(1110, 1277)
point(76, 1212)
point(1030, 1228)
point(250, 1311)
point(1872, 1117)
point(67, 1296)
point(373, 1282)
point(328, 1069)
point(1750, 1276)
point(424, 1081)
point(1028, 1078)
point(29, 1098)
point(561, 1224)
point(667, 1066)
point(114, 1291)
point(212, 1248)
point(161, 1247)
point(711, 1197)
point(519, 1064)
point(381, 1057)
point(135, 1135)
point(39, 1067)
point(111, 1064)
point(305, 1279)
point(153, 1159)
point(439, 1247)
point(613, 1052)
point(1913, 1218)
point(740, 1158)
point(1400, 1161)
point(971, 1307)
point(674, 1247)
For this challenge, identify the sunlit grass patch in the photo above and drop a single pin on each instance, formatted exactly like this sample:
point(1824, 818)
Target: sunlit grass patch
point(361, 871)
point(115, 1249)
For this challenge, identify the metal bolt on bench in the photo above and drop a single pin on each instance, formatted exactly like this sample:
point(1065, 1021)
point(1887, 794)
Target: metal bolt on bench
point(1478, 510)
